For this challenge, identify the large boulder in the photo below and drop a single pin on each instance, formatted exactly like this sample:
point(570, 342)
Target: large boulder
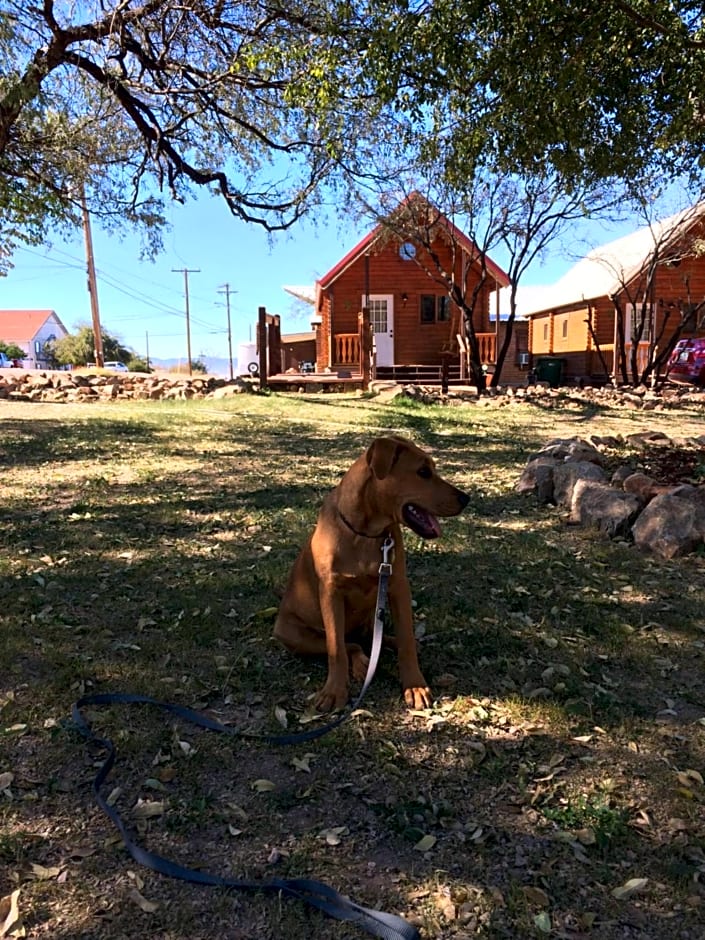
point(596, 505)
point(672, 524)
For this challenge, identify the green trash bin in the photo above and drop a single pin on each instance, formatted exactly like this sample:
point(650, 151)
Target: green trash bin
point(549, 369)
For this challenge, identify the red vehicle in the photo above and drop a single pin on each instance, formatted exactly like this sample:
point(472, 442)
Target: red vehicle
point(687, 362)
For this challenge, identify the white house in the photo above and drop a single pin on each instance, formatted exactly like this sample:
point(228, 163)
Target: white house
point(30, 330)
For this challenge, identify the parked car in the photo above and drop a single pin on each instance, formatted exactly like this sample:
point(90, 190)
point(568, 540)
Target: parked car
point(687, 362)
point(116, 366)
point(6, 363)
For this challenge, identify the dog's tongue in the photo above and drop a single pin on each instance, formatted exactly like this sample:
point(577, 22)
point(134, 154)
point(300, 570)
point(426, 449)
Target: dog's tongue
point(421, 521)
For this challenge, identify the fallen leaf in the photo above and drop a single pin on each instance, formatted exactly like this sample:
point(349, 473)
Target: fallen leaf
point(629, 888)
point(332, 836)
point(82, 851)
point(263, 786)
point(303, 763)
point(146, 809)
point(536, 896)
point(425, 843)
point(687, 777)
point(6, 779)
point(9, 913)
point(44, 874)
point(542, 922)
point(280, 715)
point(149, 907)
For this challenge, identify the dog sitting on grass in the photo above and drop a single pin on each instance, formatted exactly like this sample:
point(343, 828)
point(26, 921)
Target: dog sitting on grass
point(332, 588)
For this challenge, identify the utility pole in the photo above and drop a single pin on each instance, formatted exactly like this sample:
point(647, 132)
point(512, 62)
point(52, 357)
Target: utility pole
point(92, 284)
point(226, 290)
point(146, 336)
point(186, 272)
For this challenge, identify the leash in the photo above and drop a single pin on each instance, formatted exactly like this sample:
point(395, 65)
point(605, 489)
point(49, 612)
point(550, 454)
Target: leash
point(311, 892)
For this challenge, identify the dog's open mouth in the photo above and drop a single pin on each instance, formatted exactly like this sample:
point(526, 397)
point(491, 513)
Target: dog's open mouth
point(421, 522)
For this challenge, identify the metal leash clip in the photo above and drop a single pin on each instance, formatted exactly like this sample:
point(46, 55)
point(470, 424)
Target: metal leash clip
point(386, 566)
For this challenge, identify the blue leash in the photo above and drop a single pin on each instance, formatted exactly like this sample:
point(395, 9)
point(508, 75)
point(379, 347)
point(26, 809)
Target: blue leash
point(315, 893)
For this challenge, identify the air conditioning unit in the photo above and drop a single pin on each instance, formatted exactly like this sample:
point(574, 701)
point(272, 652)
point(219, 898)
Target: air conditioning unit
point(524, 359)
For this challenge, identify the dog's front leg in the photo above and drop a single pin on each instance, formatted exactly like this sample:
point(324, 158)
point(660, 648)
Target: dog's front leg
point(334, 693)
point(416, 692)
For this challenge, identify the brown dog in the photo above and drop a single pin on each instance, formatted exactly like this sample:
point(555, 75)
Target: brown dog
point(332, 588)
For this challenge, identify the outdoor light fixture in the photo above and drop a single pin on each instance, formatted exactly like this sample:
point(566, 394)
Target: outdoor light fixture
point(404, 298)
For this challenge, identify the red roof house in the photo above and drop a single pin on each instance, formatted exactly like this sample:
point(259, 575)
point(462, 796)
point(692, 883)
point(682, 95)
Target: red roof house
point(30, 330)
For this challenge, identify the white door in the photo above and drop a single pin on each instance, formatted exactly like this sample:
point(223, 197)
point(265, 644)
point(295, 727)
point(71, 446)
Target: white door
point(381, 307)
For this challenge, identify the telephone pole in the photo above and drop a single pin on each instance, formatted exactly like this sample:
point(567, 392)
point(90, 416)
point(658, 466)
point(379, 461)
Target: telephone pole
point(186, 272)
point(226, 290)
point(92, 283)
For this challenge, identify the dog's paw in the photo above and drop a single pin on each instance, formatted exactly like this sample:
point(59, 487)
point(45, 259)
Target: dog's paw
point(358, 665)
point(418, 697)
point(331, 698)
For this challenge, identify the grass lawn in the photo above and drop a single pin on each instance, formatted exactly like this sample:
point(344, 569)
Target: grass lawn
point(554, 790)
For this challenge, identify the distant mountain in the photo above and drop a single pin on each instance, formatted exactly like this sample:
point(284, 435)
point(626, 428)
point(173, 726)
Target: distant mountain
point(214, 365)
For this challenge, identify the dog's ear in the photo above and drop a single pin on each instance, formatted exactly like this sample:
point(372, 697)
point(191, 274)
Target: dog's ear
point(382, 454)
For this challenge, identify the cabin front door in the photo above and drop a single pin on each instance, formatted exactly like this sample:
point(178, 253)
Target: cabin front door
point(381, 308)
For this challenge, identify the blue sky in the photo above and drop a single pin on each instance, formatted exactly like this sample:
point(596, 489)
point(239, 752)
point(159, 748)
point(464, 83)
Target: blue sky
point(143, 301)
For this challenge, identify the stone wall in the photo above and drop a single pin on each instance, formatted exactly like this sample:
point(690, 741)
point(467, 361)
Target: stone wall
point(87, 387)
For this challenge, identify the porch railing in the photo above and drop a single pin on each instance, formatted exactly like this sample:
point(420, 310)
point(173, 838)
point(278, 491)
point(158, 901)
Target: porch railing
point(488, 351)
point(346, 349)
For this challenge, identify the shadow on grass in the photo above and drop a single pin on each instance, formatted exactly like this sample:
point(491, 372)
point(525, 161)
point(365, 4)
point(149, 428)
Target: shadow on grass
point(532, 638)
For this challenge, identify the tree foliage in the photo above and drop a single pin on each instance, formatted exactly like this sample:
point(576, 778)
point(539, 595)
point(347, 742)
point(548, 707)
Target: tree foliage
point(78, 348)
point(12, 350)
point(142, 101)
point(604, 90)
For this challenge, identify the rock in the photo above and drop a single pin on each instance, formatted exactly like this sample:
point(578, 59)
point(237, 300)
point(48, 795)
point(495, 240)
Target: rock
point(643, 487)
point(670, 525)
point(538, 478)
point(598, 506)
point(567, 474)
point(668, 520)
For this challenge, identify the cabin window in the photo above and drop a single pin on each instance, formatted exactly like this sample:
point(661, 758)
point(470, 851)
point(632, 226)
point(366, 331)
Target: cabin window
point(564, 328)
point(692, 318)
point(545, 332)
point(435, 308)
point(378, 315)
point(640, 318)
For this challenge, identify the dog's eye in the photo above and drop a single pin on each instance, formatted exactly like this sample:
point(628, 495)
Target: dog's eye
point(425, 472)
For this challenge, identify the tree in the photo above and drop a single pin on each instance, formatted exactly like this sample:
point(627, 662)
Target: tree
point(594, 91)
point(137, 101)
point(78, 348)
point(12, 351)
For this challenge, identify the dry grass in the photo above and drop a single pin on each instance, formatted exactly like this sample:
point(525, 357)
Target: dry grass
point(142, 549)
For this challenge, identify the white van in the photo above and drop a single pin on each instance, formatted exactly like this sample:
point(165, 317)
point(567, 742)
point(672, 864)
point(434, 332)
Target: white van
point(116, 366)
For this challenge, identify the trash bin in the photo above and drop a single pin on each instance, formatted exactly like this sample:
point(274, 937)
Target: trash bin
point(549, 369)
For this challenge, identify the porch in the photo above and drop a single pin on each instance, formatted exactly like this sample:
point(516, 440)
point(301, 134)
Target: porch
point(346, 356)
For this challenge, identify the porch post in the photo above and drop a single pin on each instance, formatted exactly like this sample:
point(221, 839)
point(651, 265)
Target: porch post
point(274, 345)
point(262, 345)
point(365, 344)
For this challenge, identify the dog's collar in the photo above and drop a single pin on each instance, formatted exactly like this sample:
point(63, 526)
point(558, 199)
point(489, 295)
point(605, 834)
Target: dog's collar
point(363, 535)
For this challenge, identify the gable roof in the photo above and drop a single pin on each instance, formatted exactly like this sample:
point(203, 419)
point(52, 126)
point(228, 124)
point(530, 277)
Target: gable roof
point(21, 326)
point(466, 243)
point(608, 268)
